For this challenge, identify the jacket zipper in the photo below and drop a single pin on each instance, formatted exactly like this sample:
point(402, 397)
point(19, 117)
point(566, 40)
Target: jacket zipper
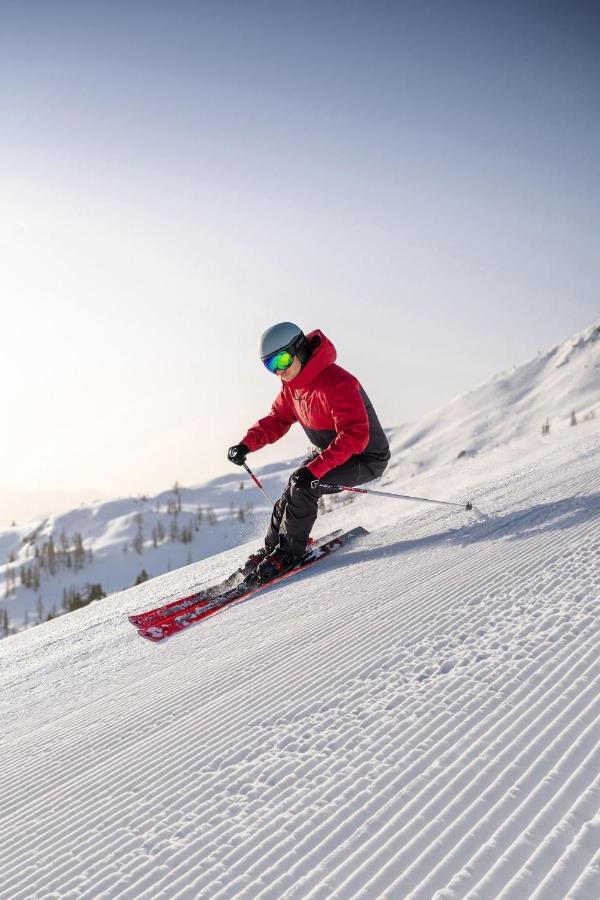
point(303, 409)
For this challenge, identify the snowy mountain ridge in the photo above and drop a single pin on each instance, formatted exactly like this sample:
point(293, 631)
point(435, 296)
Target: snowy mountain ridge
point(513, 404)
point(584, 339)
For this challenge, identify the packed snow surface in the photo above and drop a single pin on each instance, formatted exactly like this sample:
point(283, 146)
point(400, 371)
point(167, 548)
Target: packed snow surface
point(417, 716)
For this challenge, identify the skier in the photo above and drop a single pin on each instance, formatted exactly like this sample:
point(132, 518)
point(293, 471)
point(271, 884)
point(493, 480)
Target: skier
point(339, 420)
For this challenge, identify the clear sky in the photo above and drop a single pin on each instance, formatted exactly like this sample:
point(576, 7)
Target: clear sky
point(419, 180)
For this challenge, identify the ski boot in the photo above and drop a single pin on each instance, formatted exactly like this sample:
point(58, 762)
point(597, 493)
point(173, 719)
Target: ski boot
point(276, 563)
point(251, 564)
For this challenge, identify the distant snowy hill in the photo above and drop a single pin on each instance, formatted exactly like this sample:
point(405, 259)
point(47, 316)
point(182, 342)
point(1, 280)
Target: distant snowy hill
point(120, 539)
point(514, 404)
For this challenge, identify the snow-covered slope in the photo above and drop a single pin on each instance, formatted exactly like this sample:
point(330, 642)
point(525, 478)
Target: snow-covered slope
point(566, 379)
point(417, 717)
point(548, 388)
point(125, 536)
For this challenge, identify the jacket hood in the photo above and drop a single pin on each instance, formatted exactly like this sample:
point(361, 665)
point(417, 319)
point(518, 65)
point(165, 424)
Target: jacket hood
point(322, 356)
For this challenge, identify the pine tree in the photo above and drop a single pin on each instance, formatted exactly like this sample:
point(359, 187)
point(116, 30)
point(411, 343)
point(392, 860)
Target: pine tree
point(51, 552)
point(95, 592)
point(76, 601)
point(143, 576)
point(138, 541)
point(63, 542)
point(79, 552)
point(174, 530)
point(177, 493)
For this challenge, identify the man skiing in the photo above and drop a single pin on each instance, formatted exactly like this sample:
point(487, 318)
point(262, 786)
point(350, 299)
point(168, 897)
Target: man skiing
point(339, 420)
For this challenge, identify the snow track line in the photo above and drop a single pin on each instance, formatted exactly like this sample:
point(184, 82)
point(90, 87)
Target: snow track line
point(389, 755)
point(522, 872)
point(581, 856)
point(475, 794)
point(518, 574)
point(450, 598)
point(96, 748)
point(329, 827)
point(84, 829)
point(304, 886)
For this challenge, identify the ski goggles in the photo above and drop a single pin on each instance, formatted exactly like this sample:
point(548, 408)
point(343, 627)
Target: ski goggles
point(279, 361)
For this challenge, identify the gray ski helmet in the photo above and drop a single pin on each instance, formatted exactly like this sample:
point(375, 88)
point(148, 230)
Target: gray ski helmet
point(283, 336)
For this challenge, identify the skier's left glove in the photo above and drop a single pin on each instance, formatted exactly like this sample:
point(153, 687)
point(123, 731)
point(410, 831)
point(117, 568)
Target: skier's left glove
point(237, 454)
point(303, 479)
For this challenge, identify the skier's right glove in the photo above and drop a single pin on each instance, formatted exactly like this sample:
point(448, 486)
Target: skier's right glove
point(237, 454)
point(303, 479)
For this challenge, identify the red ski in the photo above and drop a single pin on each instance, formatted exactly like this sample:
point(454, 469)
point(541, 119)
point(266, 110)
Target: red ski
point(151, 616)
point(204, 597)
point(179, 621)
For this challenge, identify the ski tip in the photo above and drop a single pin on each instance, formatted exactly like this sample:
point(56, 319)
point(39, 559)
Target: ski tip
point(359, 531)
point(153, 633)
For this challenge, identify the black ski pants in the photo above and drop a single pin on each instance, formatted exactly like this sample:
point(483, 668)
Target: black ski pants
point(295, 512)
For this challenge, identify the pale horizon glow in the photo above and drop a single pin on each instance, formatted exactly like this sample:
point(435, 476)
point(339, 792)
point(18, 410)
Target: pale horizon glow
point(174, 180)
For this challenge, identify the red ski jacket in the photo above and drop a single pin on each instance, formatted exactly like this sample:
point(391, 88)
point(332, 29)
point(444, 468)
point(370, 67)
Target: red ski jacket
point(332, 408)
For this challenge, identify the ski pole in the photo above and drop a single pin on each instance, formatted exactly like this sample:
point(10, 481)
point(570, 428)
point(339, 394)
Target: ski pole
point(257, 483)
point(356, 490)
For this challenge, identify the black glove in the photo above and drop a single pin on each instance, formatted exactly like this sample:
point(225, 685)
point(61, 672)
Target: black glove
point(303, 479)
point(237, 454)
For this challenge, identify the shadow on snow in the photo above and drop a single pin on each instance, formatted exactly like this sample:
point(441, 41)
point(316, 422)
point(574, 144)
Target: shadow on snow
point(558, 515)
